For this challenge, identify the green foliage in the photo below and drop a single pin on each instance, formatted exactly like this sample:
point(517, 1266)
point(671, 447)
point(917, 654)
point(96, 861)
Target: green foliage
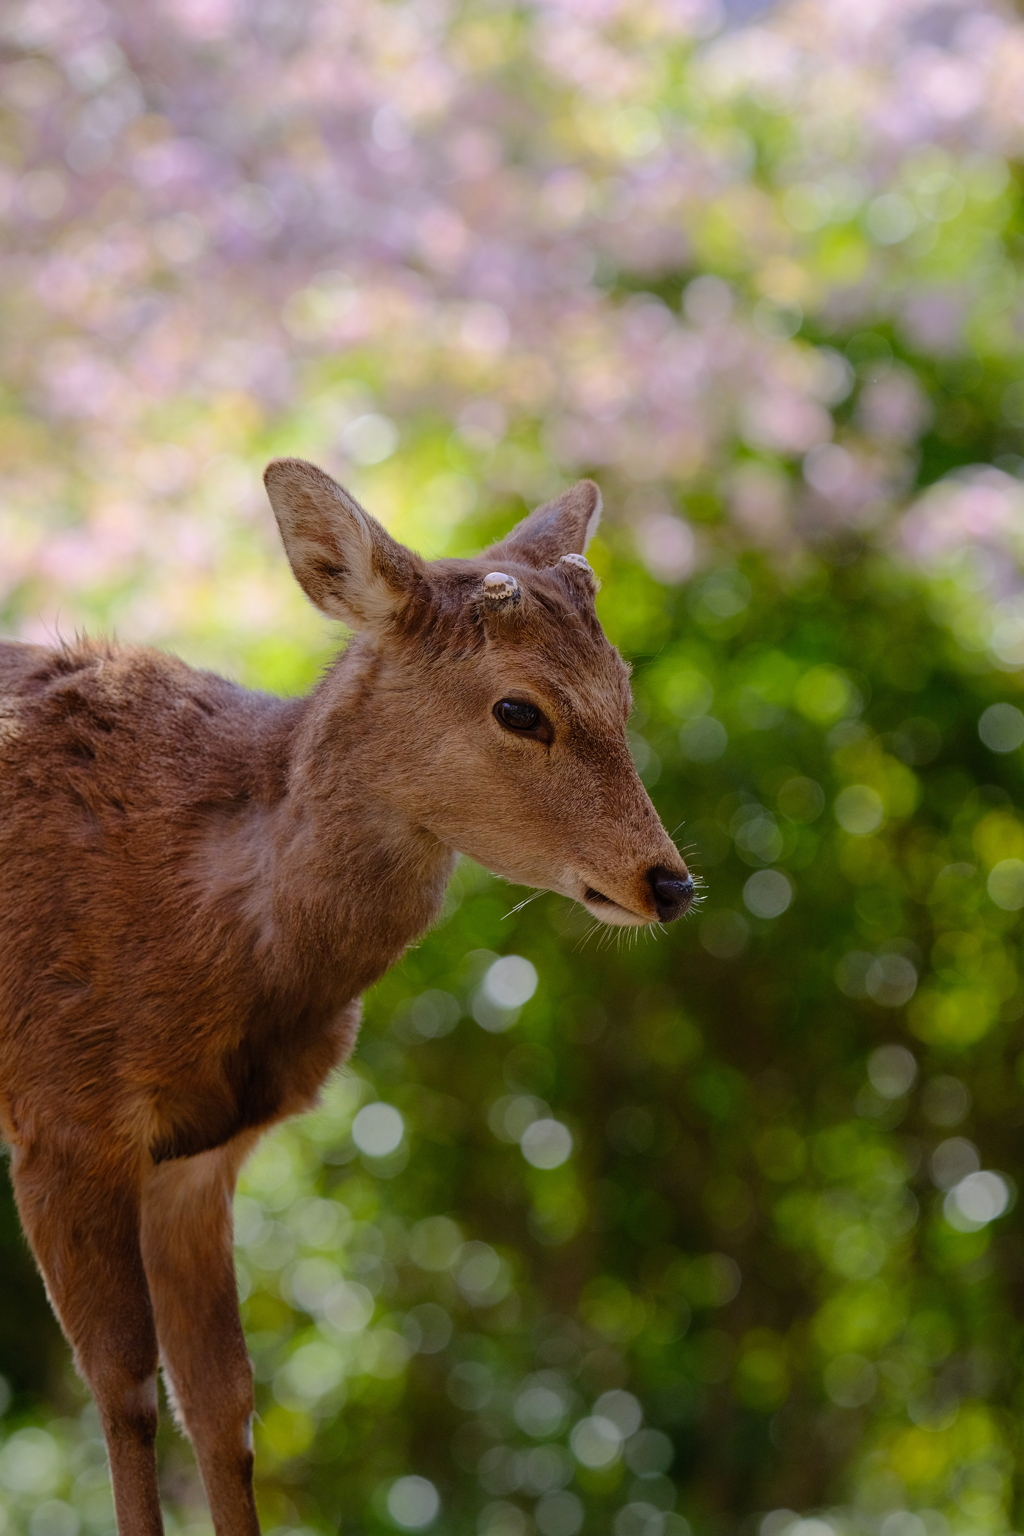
point(747, 1237)
point(715, 1228)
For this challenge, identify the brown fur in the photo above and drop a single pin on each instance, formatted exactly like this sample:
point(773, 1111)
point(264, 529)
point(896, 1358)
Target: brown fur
point(199, 882)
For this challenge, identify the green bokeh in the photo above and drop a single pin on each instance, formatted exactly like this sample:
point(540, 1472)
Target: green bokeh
point(746, 1236)
point(747, 1295)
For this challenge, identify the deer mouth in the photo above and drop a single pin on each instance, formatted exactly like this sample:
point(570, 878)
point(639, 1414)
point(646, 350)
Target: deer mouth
point(610, 911)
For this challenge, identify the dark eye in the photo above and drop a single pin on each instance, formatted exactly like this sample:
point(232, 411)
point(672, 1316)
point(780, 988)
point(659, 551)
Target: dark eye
point(514, 715)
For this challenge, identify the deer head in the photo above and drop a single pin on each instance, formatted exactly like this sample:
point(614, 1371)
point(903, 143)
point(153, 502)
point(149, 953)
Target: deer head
point(499, 705)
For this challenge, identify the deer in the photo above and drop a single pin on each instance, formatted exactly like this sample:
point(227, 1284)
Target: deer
point(200, 881)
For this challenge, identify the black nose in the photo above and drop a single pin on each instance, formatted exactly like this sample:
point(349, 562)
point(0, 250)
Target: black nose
point(673, 894)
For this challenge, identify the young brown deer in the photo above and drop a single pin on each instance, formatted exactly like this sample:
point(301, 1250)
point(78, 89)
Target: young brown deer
point(199, 882)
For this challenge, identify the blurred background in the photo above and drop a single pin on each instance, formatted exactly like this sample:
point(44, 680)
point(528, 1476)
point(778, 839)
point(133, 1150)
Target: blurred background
point(712, 1232)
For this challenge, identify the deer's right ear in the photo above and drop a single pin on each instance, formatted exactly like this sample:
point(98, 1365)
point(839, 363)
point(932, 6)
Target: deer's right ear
point(345, 562)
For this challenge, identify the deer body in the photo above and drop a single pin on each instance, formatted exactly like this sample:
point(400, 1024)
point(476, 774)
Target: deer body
point(176, 873)
point(200, 881)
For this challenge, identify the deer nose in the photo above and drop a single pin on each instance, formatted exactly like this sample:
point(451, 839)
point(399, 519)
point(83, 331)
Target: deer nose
point(673, 893)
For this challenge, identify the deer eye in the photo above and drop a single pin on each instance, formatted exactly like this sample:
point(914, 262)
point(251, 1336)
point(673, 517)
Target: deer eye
point(514, 715)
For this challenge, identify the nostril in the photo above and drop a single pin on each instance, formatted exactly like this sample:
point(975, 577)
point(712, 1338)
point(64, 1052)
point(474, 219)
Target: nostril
point(672, 892)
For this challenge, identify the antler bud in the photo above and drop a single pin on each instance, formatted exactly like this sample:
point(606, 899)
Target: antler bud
point(499, 588)
point(581, 564)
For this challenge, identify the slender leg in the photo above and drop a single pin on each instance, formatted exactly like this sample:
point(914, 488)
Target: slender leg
point(186, 1245)
point(81, 1216)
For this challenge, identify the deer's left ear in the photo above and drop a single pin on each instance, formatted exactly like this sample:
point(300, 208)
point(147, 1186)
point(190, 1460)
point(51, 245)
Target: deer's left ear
point(561, 527)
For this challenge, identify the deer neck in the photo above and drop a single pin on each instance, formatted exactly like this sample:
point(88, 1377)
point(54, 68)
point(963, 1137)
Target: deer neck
point(353, 877)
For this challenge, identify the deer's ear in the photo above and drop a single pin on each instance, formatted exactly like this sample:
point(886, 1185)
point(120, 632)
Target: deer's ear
point(345, 562)
point(561, 527)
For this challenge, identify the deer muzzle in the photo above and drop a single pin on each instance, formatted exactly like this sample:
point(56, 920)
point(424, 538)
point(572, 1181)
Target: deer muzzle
point(659, 895)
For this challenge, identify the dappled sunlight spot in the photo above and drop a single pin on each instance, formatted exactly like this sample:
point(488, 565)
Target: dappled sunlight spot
point(709, 1279)
point(612, 1310)
point(892, 1070)
point(429, 1016)
point(722, 595)
point(640, 1518)
point(435, 1242)
point(1005, 884)
point(595, 1441)
point(511, 981)
point(863, 860)
point(427, 1328)
point(952, 1160)
point(978, 1198)
point(54, 1517)
point(998, 835)
point(539, 1410)
point(283, 1432)
point(503, 1519)
point(346, 1307)
point(1001, 727)
point(667, 546)
point(955, 1016)
point(801, 799)
point(314, 1371)
point(890, 980)
point(369, 439)
point(507, 984)
point(310, 1281)
point(703, 739)
point(31, 1462)
point(559, 1514)
point(482, 1275)
point(511, 1116)
point(858, 1252)
point(270, 1246)
point(413, 1503)
point(859, 1318)
point(859, 809)
point(383, 1353)
point(945, 1100)
point(825, 695)
point(546, 1143)
point(331, 1122)
point(378, 1129)
point(319, 1223)
point(768, 893)
point(544, 1468)
point(756, 835)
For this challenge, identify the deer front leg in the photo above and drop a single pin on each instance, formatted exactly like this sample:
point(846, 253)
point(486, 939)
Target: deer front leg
point(81, 1217)
point(187, 1249)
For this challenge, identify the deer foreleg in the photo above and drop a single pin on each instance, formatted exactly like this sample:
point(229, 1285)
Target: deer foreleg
point(81, 1219)
point(187, 1248)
